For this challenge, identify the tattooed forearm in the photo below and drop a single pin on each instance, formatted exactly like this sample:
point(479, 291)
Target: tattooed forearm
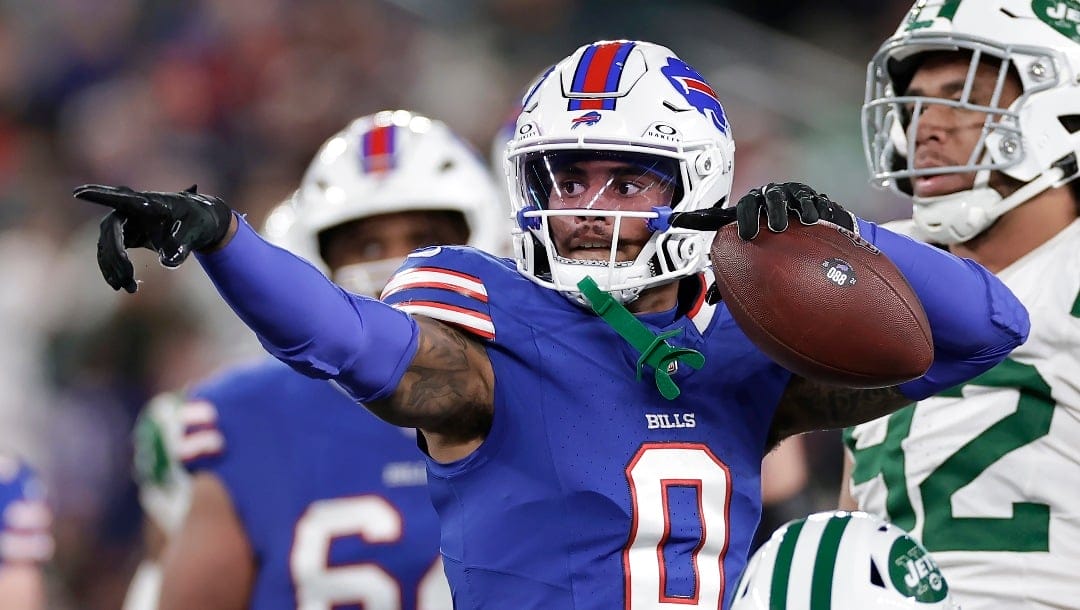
point(807, 405)
point(448, 388)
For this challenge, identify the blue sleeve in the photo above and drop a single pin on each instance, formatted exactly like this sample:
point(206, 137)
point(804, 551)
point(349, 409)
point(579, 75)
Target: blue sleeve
point(309, 323)
point(25, 518)
point(976, 321)
point(214, 439)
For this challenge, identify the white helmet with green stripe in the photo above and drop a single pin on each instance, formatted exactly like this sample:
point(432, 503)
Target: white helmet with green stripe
point(164, 485)
point(842, 561)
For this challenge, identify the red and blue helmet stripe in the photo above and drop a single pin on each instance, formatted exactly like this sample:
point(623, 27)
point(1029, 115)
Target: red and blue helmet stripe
point(598, 71)
point(377, 149)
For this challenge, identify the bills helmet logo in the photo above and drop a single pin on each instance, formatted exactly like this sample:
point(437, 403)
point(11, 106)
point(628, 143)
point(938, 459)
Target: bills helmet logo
point(588, 119)
point(697, 92)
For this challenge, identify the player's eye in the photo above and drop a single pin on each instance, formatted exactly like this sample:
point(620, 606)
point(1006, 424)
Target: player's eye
point(629, 188)
point(571, 188)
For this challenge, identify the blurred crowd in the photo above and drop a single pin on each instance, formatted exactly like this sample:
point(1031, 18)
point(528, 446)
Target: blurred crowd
point(236, 96)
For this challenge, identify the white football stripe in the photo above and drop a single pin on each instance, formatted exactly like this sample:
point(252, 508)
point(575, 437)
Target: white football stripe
point(419, 277)
point(200, 443)
point(474, 321)
point(27, 515)
point(16, 546)
point(197, 413)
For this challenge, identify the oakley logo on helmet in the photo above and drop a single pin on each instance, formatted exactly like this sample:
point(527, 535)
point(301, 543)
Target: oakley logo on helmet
point(696, 91)
point(588, 119)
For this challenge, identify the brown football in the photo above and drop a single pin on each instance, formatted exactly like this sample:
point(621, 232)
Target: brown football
point(824, 303)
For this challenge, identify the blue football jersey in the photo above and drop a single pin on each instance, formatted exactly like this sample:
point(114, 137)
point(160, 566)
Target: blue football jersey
point(333, 499)
point(591, 490)
point(25, 518)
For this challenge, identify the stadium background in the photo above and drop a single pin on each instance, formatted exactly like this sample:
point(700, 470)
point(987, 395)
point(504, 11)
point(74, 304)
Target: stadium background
point(236, 95)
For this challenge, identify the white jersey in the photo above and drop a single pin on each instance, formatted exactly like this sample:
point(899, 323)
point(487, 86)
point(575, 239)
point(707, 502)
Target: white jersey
point(988, 475)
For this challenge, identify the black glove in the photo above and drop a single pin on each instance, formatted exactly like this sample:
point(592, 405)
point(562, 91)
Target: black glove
point(171, 224)
point(778, 200)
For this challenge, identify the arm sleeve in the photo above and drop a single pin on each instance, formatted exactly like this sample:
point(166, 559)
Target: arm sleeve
point(976, 321)
point(307, 322)
point(25, 517)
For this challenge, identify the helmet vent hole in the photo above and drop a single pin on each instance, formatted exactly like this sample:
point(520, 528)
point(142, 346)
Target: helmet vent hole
point(875, 575)
point(1071, 122)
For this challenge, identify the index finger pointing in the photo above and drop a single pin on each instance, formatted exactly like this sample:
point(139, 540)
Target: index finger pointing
point(120, 198)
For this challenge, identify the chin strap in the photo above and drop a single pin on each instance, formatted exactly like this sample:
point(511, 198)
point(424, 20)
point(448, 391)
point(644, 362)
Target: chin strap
point(987, 205)
point(655, 350)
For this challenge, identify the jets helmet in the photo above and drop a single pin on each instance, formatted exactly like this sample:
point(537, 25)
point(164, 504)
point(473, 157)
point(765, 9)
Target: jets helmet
point(164, 484)
point(1033, 139)
point(842, 561)
point(633, 103)
point(389, 162)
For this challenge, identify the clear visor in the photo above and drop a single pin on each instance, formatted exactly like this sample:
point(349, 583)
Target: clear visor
point(612, 181)
point(891, 122)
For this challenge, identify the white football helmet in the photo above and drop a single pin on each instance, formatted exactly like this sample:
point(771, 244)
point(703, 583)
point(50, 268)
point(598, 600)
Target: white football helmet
point(842, 561)
point(278, 228)
point(388, 162)
point(164, 484)
point(1034, 140)
point(627, 101)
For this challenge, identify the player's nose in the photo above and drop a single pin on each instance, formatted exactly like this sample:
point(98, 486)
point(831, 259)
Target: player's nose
point(932, 123)
point(599, 219)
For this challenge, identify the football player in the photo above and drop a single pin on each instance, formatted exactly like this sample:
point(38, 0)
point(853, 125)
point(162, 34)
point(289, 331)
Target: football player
point(973, 110)
point(579, 460)
point(26, 541)
point(842, 561)
point(299, 497)
point(164, 492)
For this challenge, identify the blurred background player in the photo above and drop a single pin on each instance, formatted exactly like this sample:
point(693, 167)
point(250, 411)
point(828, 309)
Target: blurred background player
point(842, 561)
point(25, 538)
point(299, 496)
point(973, 110)
point(164, 492)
